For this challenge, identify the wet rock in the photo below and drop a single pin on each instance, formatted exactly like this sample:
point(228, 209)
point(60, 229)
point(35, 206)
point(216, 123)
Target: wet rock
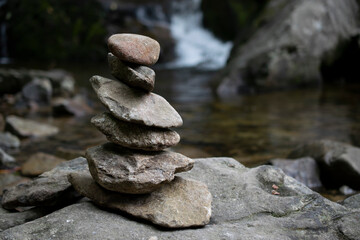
point(76, 106)
point(38, 91)
point(2, 123)
point(12, 219)
point(28, 128)
point(10, 179)
point(49, 189)
point(178, 204)
point(295, 41)
point(123, 170)
point(7, 140)
point(133, 75)
point(304, 170)
point(242, 207)
point(134, 48)
point(134, 105)
point(39, 163)
point(134, 136)
point(339, 163)
point(6, 161)
point(352, 201)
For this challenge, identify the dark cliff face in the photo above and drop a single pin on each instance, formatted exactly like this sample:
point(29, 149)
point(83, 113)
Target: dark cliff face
point(296, 44)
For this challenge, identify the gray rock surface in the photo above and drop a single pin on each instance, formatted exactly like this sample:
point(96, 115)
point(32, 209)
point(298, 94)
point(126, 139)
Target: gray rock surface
point(290, 47)
point(6, 161)
point(339, 163)
point(133, 75)
point(38, 91)
point(179, 204)
point(242, 208)
point(134, 48)
point(133, 105)
point(39, 163)
point(49, 189)
point(7, 140)
point(134, 136)
point(10, 179)
point(29, 128)
point(304, 170)
point(352, 201)
point(128, 171)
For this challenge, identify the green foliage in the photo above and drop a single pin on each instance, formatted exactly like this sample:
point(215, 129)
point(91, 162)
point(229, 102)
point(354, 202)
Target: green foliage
point(229, 17)
point(56, 29)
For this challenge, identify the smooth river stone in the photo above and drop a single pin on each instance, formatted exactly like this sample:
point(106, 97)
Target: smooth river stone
point(179, 204)
point(128, 171)
point(134, 48)
point(134, 136)
point(134, 105)
point(131, 74)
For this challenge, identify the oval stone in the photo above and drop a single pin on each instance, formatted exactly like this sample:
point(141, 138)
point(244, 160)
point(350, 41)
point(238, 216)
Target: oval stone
point(134, 48)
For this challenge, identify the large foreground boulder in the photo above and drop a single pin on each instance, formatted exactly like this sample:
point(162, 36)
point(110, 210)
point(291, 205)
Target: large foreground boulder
point(243, 207)
point(288, 50)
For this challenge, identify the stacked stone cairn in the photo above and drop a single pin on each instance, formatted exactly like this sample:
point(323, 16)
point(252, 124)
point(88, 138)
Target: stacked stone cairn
point(133, 173)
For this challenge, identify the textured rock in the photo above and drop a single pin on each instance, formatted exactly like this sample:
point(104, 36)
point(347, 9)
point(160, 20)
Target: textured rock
point(292, 46)
point(10, 179)
point(178, 204)
point(128, 171)
point(12, 219)
point(133, 75)
point(39, 163)
point(134, 105)
point(352, 202)
point(242, 208)
point(134, 136)
point(28, 128)
point(339, 163)
point(7, 140)
point(6, 161)
point(305, 170)
point(38, 91)
point(134, 48)
point(50, 188)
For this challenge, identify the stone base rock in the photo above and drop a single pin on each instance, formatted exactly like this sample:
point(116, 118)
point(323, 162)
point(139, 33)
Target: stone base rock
point(243, 207)
point(179, 204)
point(135, 136)
point(128, 171)
point(134, 105)
point(49, 189)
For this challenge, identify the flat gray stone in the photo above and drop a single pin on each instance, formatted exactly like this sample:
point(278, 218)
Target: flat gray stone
point(339, 163)
point(243, 207)
point(135, 136)
point(305, 170)
point(134, 105)
point(28, 128)
point(134, 48)
point(49, 189)
point(133, 75)
point(179, 204)
point(7, 140)
point(128, 171)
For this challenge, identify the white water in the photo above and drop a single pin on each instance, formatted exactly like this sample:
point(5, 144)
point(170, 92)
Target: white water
point(195, 46)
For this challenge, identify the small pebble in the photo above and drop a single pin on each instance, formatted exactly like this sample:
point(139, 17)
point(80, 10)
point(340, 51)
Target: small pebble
point(273, 192)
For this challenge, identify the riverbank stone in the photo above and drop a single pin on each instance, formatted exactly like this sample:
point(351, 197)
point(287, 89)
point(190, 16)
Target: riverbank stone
point(9, 141)
point(29, 128)
point(134, 136)
point(133, 105)
point(339, 163)
point(39, 163)
point(179, 204)
point(134, 48)
point(133, 75)
point(243, 207)
point(135, 172)
point(6, 161)
point(49, 189)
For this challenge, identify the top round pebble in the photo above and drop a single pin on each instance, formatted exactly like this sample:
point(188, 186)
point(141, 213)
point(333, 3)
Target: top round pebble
point(134, 48)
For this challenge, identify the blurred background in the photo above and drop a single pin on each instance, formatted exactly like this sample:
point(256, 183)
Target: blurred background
point(252, 79)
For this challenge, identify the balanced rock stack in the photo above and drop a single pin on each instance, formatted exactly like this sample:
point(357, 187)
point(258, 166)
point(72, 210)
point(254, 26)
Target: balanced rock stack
point(132, 173)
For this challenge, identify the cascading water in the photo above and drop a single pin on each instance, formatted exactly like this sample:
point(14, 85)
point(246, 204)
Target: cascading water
point(195, 46)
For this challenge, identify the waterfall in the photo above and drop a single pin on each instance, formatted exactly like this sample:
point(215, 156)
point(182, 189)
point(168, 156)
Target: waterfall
point(4, 57)
point(195, 46)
